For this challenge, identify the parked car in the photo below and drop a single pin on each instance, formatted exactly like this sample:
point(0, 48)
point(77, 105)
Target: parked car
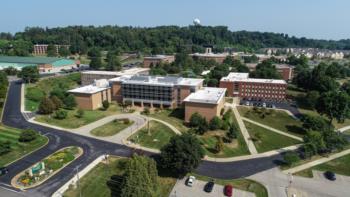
point(264, 104)
point(247, 103)
point(190, 181)
point(228, 190)
point(330, 175)
point(209, 186)
point(3, 171)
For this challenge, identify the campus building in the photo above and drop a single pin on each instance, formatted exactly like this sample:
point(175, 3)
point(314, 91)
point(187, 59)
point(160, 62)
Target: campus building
point(88, 77)
point(44, 64)
point(154, 91)
point(286, 71)
point(240, 85)
point(41, 49)
point(157, 59)
point(208, 102)
point(209, 55)
point(91, 97)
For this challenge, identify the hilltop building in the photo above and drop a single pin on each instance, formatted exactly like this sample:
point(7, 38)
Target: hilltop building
point(157, 59)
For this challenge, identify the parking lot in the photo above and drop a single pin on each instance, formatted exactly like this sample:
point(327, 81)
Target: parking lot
point(182, 190)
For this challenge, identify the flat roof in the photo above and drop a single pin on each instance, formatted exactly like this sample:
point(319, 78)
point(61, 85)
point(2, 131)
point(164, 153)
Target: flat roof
point(130, 71)
point(210, 54)
point(206, 95)
point(97, 86)
point(162, 81)
point(157, 57)
point(244, 77)
point(29, 60)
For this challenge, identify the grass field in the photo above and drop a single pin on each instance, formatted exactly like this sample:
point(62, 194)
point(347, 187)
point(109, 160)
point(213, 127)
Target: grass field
point(160, 135)
point(269, 140)
point(276, 119)
point(94, 182)
point(35, 92)
point(173, 117)
point(111, 128)
point(243, 184)
point(72, 121)
point(18, 149)
point(338, 166)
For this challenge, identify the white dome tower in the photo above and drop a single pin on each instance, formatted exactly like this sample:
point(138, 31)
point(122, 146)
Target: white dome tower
point(196, 22)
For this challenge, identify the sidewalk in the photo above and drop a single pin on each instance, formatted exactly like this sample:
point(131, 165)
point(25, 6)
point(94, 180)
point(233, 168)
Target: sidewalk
point(316, 162)
point(272, 129)
point(244, 131)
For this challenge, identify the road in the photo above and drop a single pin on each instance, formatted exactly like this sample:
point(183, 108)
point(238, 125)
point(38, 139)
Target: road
point(95, 147)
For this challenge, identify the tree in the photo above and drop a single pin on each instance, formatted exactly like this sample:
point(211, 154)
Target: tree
point(70, 102)
point(61, 114)
point(219, 146)
point(291, 157)
point(146, 111)
point(46, 106)
point(139, 179)
point(265, 70)
point(311, 99)
point(57, 102)
point(80, 113)
point(95, 57)
point(315, 141)
point(315, 123)
point(28, 135)
point(5, 147)
point(215, 123)
point(113, 61)
point(212, 83)
point(196, 119)
point(335, 105)
point(63, 51)
point(105, 104)
point(232, 133)
point(51, 50)
point(182, 154)
point(29, 74)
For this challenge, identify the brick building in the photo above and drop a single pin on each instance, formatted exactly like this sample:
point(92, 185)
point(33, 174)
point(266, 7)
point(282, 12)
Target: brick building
point(157, 59)
point(240, 85)
point(208, 55)
point(208, 102)
point(91, 97)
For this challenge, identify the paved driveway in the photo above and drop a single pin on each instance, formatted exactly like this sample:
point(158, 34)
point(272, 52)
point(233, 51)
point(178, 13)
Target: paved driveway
point(182, 190)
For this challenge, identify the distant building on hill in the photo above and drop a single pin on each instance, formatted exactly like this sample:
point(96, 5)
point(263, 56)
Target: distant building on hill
point(44, 64)
point(285, 70)
point(41, 49)
point(157, 59)
point(209, 55)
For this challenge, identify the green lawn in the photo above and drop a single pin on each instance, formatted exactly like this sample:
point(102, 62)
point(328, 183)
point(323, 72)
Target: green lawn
point(242, 184)
point(276, 119)
point(160, 135)
point(72, 121)
point(18, 149)
point(338, 166)
point(35, 92)
point(94, 182)
point(269, 140)
point(111, 128)
point(174, 117)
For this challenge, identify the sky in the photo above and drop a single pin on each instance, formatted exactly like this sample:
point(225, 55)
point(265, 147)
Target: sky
point(319, 19)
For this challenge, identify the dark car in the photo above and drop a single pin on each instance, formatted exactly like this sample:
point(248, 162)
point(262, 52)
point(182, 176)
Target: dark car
point(209, 186)
point(3, 170)
point(330, 175)
point(228, 190)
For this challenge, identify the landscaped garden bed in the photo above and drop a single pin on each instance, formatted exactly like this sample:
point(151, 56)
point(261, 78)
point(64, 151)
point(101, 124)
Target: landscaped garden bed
point(157, 136)
point(112, 128)
point(44, 169)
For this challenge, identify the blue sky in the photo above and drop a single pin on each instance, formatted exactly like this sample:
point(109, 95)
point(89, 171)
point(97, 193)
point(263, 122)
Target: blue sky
point(325, 19)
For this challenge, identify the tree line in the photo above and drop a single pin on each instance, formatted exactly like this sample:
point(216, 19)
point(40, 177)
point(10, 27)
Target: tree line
point(154, 40)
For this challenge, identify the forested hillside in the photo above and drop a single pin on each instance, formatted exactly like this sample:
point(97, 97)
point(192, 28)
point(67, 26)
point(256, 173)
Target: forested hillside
point(155, 40)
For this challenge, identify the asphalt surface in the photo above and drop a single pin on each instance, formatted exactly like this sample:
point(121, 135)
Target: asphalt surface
point(94, 148)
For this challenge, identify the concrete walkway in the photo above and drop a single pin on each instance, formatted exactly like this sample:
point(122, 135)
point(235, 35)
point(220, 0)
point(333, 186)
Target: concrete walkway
point(272, 129)
point(165, 123)
point(244, 131)
point(344, 129)
point(316, 162)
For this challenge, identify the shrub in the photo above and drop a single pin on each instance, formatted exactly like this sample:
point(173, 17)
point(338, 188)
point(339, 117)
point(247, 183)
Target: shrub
point(219, 144)
point(232, 132)
point(5, 147)
point(57, 102)
point(28, 135)
point(70, 102)
point(61, 114)
point(290, 158)
point(146, 111)
point(215, 123)
point(105, 104)
point(46, 106)
point(196, 120)
point(126, 121)
point(80, 113)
